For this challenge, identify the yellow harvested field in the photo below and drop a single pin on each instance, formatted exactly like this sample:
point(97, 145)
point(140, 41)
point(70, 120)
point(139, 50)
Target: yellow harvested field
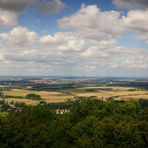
point(53, 96)
point(18, 92)
point(106, 87)
point(117, 92)
point(135, 97)
point(26, 101)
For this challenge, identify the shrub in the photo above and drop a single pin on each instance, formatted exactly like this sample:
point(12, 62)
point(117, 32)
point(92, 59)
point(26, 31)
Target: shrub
point(33, 97)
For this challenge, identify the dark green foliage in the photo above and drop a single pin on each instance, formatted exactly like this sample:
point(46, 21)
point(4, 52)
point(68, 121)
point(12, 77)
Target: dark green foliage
point(9, 96)
point(7, 89)
point(2, 95)
point(33, 97)
point(89, 123)
point(91, 90)
point(54, 87)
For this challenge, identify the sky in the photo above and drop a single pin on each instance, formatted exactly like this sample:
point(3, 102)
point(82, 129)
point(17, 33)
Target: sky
point(74, 38)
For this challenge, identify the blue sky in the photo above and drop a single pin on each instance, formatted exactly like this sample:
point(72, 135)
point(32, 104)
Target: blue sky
point(41, 21)
point(45, 23)
point(74, 38)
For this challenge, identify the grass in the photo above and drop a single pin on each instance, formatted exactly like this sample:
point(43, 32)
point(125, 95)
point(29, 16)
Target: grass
point(3, 113)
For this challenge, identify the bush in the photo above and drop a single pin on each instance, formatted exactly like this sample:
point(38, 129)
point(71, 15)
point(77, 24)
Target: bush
point(33, 97)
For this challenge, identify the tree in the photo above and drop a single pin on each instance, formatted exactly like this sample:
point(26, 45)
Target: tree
point(33, 97)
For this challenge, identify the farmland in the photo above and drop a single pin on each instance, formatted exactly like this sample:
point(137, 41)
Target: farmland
point(101, 92)
point(52, 90)
point(19, 95)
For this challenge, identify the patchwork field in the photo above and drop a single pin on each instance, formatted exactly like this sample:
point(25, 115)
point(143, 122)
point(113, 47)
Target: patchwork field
point(104, 92)
point(19, 95)
point(112, 92)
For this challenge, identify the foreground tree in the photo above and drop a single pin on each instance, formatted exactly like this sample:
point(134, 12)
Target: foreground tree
point(88, 123)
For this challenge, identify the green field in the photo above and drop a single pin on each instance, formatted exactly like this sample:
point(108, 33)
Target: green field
point(3, 114)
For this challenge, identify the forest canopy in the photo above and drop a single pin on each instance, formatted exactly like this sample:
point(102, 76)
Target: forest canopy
point(87, 123)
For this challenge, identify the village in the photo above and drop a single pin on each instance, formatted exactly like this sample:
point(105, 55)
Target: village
point(10, 106)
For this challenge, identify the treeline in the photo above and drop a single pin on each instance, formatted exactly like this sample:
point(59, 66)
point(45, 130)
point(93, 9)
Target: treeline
point(135, 84)
point(90, 123)
point(54, 87)
point(28, 96)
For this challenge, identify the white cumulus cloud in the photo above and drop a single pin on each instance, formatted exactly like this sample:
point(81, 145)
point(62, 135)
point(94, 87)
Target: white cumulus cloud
point(90, 46)
point(7, 19)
